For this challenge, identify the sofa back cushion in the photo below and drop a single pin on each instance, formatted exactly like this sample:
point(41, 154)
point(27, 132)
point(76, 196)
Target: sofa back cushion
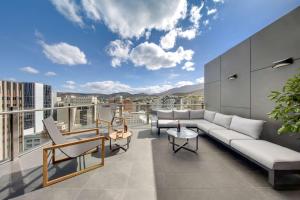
point(181, 114)
point(250, 127)
point(222, 120)
point(165, 114)
point(196, 114)
point(209, 115)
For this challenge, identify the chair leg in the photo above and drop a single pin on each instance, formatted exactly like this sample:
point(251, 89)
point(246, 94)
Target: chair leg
point(45, 168)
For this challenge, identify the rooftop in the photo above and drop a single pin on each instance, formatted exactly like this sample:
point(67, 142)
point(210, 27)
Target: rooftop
point(148, 170)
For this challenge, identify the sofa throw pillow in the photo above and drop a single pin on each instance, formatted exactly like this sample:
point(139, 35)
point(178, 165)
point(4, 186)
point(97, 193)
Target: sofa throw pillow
point(164, 114)
point(250, 127)
point(209, 115)
point(181, 114)
point(222, 120)
point(196, 114)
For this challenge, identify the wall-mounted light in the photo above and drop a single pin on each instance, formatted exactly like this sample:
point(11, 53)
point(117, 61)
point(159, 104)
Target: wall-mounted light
point(232, 77)
point(282, 63)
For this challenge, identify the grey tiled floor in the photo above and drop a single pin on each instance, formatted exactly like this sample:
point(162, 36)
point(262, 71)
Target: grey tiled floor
point(149, 170)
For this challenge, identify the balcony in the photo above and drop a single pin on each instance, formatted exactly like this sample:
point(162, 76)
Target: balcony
point(148, 170)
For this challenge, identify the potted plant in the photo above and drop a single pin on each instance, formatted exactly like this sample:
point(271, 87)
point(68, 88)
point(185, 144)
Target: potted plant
point(287, 106)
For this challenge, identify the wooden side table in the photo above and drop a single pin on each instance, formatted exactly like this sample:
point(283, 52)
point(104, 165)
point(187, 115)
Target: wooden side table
point(120, 135)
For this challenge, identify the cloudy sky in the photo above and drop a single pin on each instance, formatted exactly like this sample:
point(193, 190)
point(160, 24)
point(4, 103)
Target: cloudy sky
point(124, 45)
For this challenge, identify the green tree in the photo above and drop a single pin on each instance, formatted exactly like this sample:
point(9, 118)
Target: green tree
point(287, 106)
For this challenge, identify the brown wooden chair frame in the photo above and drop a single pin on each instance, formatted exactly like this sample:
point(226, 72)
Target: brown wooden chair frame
point(46, 181)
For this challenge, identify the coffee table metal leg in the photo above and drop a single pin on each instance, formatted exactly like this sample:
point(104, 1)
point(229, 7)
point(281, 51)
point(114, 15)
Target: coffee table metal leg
point(183, 146)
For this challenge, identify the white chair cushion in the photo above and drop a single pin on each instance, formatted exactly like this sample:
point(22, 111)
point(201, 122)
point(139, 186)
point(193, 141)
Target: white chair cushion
point(227, 136)
point(250, 127)
point(206, 126)
point(165, 123)
point(222, 120)
point(209, 115)
point(165, 114)
point(196, 114)
point(181, 114)
point(192, 123)
point(269, 154)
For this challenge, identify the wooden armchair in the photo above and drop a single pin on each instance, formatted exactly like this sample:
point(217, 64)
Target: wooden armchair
point(70, 149)
point(117, 127)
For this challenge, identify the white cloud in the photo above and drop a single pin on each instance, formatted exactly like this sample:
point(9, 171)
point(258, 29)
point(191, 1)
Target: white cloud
point(168, 41)
point(29, 70)
point(119, 51)
point(189, 66)
point(50, 74)
point(200, 80)
point(211, 11)
point(108, 87)
point(188, 34)
point(183, 83)
point(133, 18)
point(195, 14)
point(90, 7)
point(218, 1)
point(70, 85)
point(173, 75)
point(153, 57)
point(69, 9)
point(206, 22)
point(63, 53)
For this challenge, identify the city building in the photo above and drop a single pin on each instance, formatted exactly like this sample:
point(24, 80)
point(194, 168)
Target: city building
point(11, 97)
point(36, 96)
point(80, 116)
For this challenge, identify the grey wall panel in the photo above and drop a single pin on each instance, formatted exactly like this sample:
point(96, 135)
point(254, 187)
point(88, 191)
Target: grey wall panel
point(243, 112)
point(278, 41)
point(262, 83)
point(236, 93)
point(212, 96)
point(212, 71)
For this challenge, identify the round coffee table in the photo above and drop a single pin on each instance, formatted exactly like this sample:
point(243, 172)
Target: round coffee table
point(184, 133)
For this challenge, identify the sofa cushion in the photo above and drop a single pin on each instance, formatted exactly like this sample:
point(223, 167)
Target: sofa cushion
point(181, 114)
point(165, 114)
point(269, 154)
point(222, 120)
point(227, 136)
point(206, 126)
point(250, 127)
point(209, 115)
point(196, 114)
point(165, 123)
point(191, 123)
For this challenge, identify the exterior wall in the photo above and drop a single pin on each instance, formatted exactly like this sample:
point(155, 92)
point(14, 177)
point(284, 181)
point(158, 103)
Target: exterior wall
point(252, 61)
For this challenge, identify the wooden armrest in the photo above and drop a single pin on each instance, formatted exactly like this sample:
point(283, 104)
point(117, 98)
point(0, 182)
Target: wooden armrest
point(74, 143)
point(82, 131)
point(105, 121)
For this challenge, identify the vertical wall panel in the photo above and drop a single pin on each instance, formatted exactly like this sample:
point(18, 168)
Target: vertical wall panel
point(212, 96)
point(236, 93)
point(212, 71)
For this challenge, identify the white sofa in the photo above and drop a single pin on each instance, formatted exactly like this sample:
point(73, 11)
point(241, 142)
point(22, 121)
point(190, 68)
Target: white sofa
point(240, 134)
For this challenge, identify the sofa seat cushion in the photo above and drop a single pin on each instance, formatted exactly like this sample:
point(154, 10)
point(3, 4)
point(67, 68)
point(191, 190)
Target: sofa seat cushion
point(222, 120)
point(181, 114)
point(269, 154)
point(250, 127)
point(196, 114)
point(165, 123)
point(206, 126)
point(165, 114)
point(189, 123)
point(227, 136)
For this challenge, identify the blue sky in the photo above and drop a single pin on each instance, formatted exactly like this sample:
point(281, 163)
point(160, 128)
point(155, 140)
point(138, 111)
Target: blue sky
point(126, 45)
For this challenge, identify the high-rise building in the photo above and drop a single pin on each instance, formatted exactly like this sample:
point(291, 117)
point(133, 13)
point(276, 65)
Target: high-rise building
point(36, 96)
point(11, 97)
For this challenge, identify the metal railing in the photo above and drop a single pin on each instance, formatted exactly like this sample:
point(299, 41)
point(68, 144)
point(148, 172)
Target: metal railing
point(18, 139)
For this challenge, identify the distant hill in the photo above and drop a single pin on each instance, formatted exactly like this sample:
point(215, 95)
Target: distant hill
point(196, 89)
